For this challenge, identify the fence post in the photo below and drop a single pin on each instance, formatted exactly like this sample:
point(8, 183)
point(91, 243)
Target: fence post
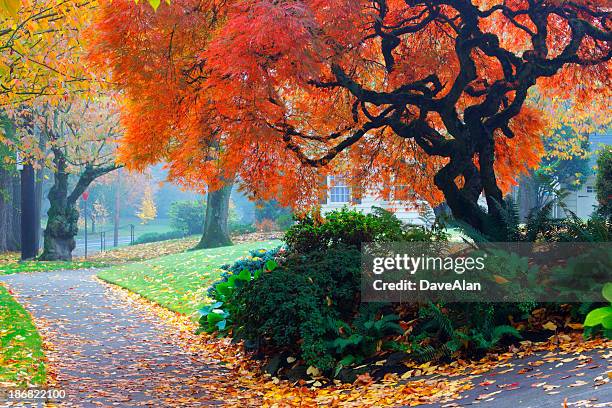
point(131, 234)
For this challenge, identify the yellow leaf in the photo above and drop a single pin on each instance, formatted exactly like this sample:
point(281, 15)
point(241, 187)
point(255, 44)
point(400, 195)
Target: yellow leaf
point(550, 326)
point(10, 6)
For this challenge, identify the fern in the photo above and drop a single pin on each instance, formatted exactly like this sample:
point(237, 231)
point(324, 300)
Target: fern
point(538, 221)
point(440, 319)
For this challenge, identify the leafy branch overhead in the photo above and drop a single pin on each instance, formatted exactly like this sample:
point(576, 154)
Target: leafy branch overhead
point(11, 7)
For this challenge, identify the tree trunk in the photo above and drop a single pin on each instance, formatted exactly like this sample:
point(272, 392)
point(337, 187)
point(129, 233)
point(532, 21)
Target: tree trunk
point(29, 229)
point(62, 224)
point(16, 215)
point(216, 232)
point(62, 217)
point(9, 211)
point(38, 204)
point(40, 176)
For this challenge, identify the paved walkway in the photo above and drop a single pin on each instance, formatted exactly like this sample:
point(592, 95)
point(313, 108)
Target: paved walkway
point(105, 352)
point(543, 380)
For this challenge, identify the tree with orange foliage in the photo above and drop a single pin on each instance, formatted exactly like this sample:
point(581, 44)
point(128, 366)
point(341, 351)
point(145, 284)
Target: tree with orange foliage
point(158, 72)
point(433, 94)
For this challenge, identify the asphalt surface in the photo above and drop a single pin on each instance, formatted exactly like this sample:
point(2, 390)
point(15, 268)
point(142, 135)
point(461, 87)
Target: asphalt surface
point(542, 380)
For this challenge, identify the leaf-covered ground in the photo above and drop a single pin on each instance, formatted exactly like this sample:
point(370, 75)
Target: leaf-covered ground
point(111, 347)
point(10, 263)
point(21, 355)
point(179, 282)
point(153, 250)
point(564, 371)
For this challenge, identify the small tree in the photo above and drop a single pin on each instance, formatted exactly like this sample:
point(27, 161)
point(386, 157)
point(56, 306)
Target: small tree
point(604, 182)
point(148, 210)
point(98, 214)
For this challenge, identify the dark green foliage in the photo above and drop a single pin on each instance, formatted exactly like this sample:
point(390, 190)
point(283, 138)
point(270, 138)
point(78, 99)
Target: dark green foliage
point(473, 328)
point(158, 236)
point(603, 184)
point(292, 307)
point(187, 216)
point(352, 228)
point(540, 226)
point(362, 339)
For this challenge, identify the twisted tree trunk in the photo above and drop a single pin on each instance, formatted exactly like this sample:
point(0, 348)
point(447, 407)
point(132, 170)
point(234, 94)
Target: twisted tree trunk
point(63, 215)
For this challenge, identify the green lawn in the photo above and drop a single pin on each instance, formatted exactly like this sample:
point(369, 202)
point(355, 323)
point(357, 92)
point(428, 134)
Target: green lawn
point(9, 264)
point(179, 282)
point(21, 355)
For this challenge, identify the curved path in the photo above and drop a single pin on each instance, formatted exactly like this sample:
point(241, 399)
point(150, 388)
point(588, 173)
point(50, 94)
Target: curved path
point(105, 353)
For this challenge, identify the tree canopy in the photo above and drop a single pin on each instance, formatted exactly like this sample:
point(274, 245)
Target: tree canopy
point(438, 95)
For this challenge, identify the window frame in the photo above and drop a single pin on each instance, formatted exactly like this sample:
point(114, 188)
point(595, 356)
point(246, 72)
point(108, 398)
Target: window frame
point(334, 196)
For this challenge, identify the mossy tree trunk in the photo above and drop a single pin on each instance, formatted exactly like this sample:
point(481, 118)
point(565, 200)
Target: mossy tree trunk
point(63, 216)
point(216, 231)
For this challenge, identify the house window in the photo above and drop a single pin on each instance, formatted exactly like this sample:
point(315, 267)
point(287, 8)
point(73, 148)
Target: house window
point(339, 191)
point(590, 189)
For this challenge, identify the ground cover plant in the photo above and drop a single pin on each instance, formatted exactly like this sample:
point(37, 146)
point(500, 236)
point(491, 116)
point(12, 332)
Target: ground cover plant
point(21, 355)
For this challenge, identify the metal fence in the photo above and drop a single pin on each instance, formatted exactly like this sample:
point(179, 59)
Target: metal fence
point(93, 242)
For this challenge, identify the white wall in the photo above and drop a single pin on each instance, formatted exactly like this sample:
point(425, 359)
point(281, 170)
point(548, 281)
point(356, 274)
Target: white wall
point(404, 211)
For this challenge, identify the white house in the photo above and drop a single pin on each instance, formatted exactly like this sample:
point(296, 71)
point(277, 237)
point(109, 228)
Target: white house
point(583, 202)
point(340, 194)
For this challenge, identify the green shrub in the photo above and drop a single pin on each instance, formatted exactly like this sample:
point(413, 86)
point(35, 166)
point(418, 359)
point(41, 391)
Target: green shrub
point(296, 306)
point(601, 317)
point(218, 316)
point(158, 236)
point(540, 226)
point(473, 328)
point(187, 216)
point(241, 228)
point(603, 184)
point(365, 337)
point(352, 228)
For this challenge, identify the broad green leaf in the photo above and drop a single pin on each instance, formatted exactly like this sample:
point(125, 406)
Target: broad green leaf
point(597, 316)
point(244, 275)
point(222, 324)
point(214, 318)
point(607, 322)
point(607, 291)
point(271, 265)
